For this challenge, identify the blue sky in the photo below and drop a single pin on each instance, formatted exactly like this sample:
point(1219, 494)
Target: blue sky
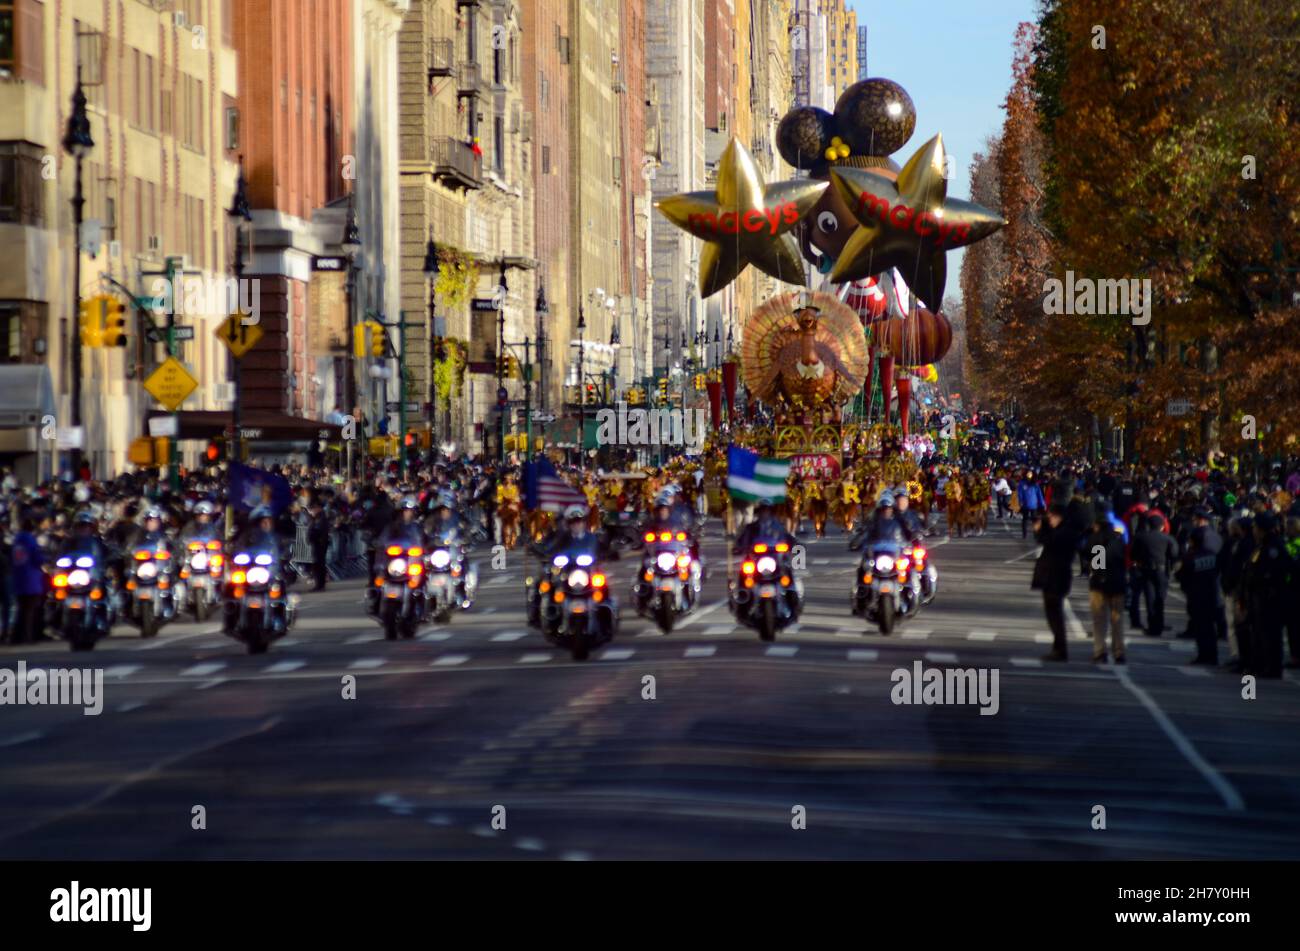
point(954, 59)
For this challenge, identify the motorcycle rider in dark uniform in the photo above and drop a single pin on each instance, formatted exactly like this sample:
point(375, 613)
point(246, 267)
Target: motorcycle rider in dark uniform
point(1199, 576)
point(1266, 581)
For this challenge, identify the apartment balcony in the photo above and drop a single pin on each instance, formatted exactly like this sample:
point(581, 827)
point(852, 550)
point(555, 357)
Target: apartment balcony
point(471, 82)
point(456, 165)
point(442, 58)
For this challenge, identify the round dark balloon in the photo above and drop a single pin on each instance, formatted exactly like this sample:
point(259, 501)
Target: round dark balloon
point(803, 135)
point(875, 116)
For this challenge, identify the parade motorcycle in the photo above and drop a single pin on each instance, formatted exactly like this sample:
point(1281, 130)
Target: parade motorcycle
point(255, 606)
point(150, 596)
point(82, 607)
point(766, 595)
point(669, 581)
point(200, 582)
point(886, 590)
point(400, 596)
point(577, 606)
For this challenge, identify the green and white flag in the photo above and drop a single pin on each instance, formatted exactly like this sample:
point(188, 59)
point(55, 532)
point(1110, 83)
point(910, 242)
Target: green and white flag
point(751, 477)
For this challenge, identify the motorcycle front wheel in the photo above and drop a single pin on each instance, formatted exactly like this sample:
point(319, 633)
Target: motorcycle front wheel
point(148, 620)
point(887, 616)
point(767, 620)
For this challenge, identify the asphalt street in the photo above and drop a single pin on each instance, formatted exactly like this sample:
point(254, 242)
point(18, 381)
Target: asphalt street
point(480, 724)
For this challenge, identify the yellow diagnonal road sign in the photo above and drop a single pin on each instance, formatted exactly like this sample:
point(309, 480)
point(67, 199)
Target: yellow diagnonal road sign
point(237, 335)
point(171, 384)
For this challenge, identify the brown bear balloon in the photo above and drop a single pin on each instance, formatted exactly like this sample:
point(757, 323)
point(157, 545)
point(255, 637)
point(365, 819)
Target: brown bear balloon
point(873, 119)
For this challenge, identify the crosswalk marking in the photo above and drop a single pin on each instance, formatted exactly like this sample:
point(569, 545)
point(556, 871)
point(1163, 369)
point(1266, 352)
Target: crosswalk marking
point(367, 663)
point(713, 630)
point(284, 666)
point(450, 660)
point(1042, 638)
point(916, 635)
point(1194, 671)
point(707, 650)
point(534, 658)
point(1026, 662)
point(363, 638)
point(617, 653)
point(981, 635)
point(782, 650)
point(941, 657)
point(509, 635)
point(202, 670)
point(121, 670)
point(435, 636)
point(864, 653)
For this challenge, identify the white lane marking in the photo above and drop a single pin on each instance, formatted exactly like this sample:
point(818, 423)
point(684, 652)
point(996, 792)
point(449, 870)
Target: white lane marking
point(156, 643)
point(781, 650)
point(1026, 662)
point(435, 636)
point(617, 653)
point(703, 612)
point(1182, 647)
point(941, 657)
point(1194, 671)
point(706, 650)
point(128, 707)
point(531, 845)
point(121, 670)
point(576, 857)
point(363, 638)
point(714, 630)
point(209, 684)
point(981, 635)
point(1072, 622)
point(21, 738)
point(821, 561)
point(203, 670)
point(491, 610)
point(367, 663)
point(534, 658)
point(509, 635)
point(1042, 638)
point(1033, 551)
point(794, 628)
point(917, 635)
point(864, 653)
point(450, 660)
point(284, 666)
point(288, 641)
point(1231, 798)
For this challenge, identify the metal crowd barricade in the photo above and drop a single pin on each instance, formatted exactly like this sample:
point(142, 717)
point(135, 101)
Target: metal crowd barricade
point(344, 558)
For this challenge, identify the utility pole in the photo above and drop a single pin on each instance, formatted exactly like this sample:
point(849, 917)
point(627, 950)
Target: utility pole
point(78, 143)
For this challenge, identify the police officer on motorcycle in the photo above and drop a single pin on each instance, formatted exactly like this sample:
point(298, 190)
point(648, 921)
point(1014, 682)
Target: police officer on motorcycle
point(881, 527)
point(446, 530)
point(764, 527)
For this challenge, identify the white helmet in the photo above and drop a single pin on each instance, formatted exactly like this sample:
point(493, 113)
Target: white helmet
point(575, 512)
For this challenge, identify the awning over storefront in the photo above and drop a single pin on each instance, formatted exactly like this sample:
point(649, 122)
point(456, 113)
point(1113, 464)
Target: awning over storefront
point(255, 424)
point(26, 395)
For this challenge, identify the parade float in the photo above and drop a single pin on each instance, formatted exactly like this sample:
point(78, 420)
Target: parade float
point(821, 368)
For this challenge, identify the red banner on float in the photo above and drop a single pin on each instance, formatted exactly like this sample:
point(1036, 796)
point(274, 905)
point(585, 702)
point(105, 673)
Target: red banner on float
point(715, 401)
point(729, 389)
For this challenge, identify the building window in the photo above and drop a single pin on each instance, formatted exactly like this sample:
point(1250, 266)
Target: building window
point(546, 160)
point(232, 126)
point(8, 40)
point(21, 194)
point(544, 88)
point(499, 144)
point(11, 332)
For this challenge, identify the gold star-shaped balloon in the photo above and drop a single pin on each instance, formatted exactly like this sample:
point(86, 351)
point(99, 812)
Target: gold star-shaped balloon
point(910, 224)
point(744, 221)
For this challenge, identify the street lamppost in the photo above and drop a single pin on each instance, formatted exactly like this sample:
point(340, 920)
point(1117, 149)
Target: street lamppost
point(351, 246)
point(502, 290)
point(78, 143)
point(435, 350)
point(241, 215)
point(582, 390)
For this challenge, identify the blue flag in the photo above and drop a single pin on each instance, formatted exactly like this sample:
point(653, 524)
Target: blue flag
point(251, 487)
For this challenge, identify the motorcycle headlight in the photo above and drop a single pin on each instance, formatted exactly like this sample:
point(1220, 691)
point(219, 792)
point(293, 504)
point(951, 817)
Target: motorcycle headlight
point(560, 561)
point(578, 578)
point(85, 561)
point(242, 558)
point(199, 562)
point(147, 569)
point(264, 559)
point(397, 567)
point(584, 560)
point(666, 561)
point(64, 563)
point(80, 578)
point(441, 558)
point(885, 563)
point(766, 565)
point(259, 575)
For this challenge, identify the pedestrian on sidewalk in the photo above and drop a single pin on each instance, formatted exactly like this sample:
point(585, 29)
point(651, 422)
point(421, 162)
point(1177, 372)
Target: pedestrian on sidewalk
point(1106, 584)
point(1053, 572)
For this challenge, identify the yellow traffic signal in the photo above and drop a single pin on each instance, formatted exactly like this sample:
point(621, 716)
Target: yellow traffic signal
point(377, 339)
point(114, 323)
point(92, 321)
point(359, 347)
point(512, 368)
point(663, 389)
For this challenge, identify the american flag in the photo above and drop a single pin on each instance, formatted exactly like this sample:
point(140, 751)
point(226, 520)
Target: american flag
point(545, 490)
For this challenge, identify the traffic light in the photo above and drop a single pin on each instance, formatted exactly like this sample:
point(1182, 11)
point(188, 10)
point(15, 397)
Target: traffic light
point(359, 333)
point(368, 339)
point(512, 368)
point(591, 393)
point(92, 321)
point(114, 323)
point(663, 389)
point(214, 453)
point(377, 339)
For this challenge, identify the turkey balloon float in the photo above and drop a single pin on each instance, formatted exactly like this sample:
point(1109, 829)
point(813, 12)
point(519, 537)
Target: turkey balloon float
point(878, 233)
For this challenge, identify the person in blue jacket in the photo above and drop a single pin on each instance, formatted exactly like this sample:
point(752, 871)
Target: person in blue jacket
point(1030, 496)
point(27, 581)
